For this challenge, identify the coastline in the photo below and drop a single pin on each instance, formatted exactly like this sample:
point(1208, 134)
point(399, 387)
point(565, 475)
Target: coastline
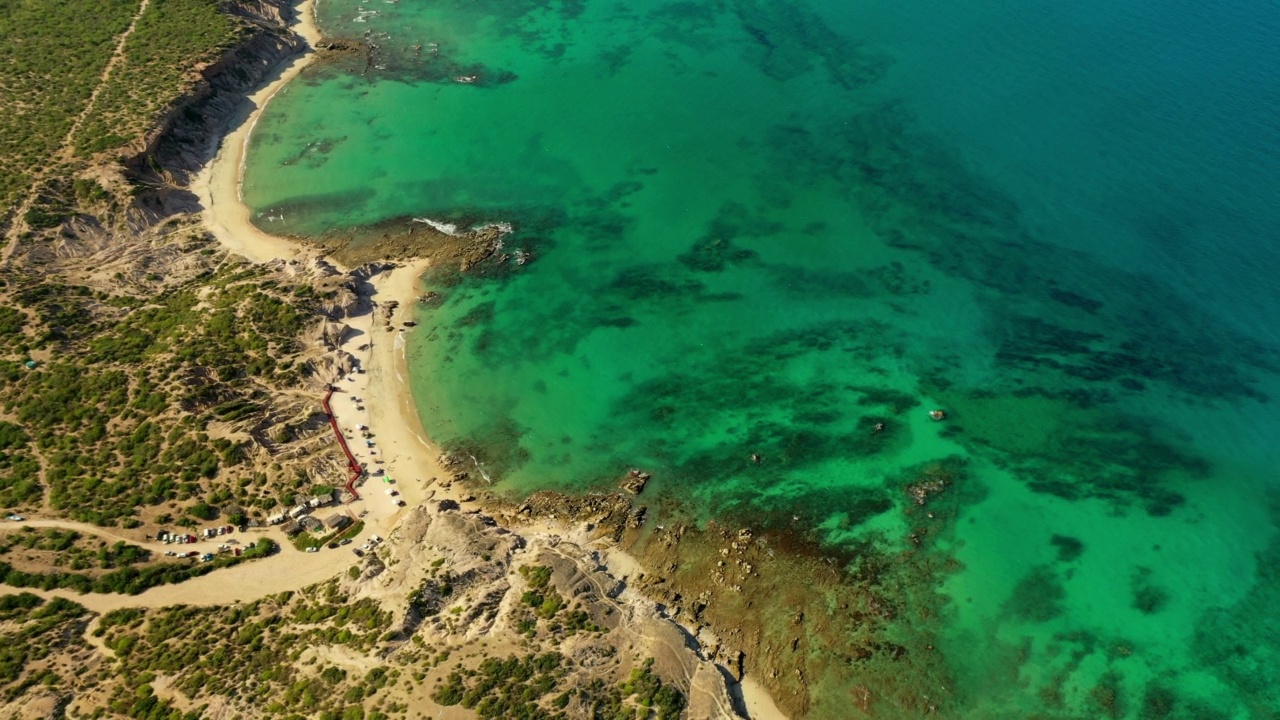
point(377, 342)
point(228, 219)
point(217, 185)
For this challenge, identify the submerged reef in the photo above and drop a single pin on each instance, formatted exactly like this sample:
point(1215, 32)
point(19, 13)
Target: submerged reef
point(823, 628)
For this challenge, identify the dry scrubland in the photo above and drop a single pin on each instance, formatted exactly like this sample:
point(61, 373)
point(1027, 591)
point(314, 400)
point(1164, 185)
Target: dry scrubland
point(74, 93)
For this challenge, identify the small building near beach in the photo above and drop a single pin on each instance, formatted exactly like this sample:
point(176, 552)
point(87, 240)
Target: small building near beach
point(337, 522)
point(320, 499)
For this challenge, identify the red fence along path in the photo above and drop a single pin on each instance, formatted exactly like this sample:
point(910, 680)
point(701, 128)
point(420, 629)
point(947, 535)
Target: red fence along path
point(352, 466)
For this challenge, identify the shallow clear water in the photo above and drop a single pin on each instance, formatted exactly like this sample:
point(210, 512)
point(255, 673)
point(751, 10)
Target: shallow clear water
point(766, 227)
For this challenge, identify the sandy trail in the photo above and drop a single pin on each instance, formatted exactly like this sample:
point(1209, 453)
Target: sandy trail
point(67, 148)
point(106, 534)
point(286, 570)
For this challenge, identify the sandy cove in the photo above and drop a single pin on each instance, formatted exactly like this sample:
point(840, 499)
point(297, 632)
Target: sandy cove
point(386, 405)
point(217, 185)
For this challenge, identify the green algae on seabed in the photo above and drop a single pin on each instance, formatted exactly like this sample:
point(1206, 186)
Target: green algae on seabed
point(748, 237)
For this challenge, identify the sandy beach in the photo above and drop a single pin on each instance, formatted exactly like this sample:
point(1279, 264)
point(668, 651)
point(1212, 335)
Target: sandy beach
point(218, 184)
point(400, 446)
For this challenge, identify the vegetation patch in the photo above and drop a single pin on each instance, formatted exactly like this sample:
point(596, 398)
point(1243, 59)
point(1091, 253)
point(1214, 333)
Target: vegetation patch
point(128, 580)
point(120, 417)
point(71, 549)
point(33, 630)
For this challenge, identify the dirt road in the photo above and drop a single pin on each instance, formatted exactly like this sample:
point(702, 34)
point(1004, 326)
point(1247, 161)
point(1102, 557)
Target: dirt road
point(286, 570)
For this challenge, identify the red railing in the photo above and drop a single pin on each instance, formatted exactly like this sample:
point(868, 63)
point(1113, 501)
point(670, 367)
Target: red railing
point(352, 465)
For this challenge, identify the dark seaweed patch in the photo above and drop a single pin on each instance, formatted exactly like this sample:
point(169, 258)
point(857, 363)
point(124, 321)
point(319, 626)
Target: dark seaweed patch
point(790, 425)
point(1038, 597)
point(1148, 598)
point(919, 198)
point(1158, 703)
point(895, 401)
point(787, 40)
point(1061, 446)
point(716, 249)
point(1070, 299)
point(1107, 695)
point(1237, 642)
point(1069, 548)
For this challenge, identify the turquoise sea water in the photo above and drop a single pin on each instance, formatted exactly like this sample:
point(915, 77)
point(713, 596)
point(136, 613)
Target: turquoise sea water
point(766, 227)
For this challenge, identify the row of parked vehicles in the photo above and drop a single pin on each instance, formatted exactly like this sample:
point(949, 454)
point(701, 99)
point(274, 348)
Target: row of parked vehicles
point(169, 538)
point(368, 545)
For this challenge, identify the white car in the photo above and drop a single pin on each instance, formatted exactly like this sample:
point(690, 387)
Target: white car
point(313, 549)
point(375, 539)
point(15, 518)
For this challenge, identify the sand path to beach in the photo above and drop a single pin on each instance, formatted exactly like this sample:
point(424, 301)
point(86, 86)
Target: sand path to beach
point(286, 570)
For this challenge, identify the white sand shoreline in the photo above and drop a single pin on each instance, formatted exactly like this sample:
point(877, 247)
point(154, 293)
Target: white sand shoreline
point(399, 443)
point(218, 184)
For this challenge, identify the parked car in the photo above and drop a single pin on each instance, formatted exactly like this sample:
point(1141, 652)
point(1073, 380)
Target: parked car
point(170, 553)
point(313, 548)
point(15, 518)
point(358, 552)
point(345, 541)
point(375, 539)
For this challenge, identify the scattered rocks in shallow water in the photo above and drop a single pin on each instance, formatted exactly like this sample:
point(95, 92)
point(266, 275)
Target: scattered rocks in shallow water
point(920, 492)
point(635, 481)
point(637, 517)
point(932, 481)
